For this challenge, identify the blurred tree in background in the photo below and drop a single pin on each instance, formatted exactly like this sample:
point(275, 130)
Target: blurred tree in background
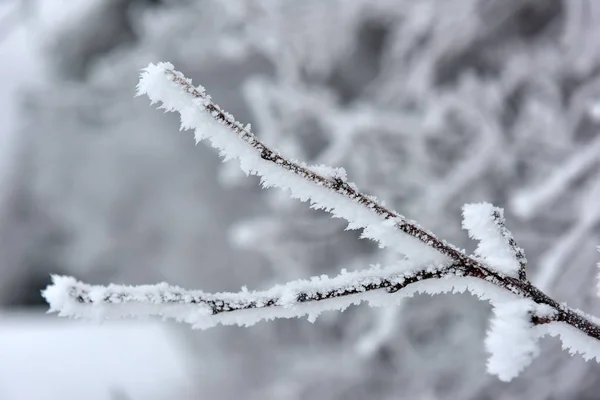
point(428, 105)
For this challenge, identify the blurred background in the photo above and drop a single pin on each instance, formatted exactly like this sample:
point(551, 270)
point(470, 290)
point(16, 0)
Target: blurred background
point(428, 104)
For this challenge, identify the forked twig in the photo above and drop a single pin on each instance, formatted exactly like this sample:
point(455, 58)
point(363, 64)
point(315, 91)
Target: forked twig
point(432, 261)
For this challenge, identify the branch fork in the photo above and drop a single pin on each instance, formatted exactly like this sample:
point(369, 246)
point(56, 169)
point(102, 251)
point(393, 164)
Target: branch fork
point(496, 272)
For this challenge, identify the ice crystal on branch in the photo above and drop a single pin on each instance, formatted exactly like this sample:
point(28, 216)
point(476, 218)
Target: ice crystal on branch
point(511, 340)
point(496, 273)
point(486, 224)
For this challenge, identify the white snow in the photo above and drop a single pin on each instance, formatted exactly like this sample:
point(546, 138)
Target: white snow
point(493, 237)
point(56, 359)
point(511, 339)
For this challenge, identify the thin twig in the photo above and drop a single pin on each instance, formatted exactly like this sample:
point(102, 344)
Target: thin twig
point(460, 265)
point(472, 266)
point(220, 303)
point(518, 252)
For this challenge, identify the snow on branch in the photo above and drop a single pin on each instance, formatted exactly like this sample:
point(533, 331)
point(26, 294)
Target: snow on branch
point(295, 299)
point(486, 223)
point(325, 187)
point(511, 341)
point(523, 313)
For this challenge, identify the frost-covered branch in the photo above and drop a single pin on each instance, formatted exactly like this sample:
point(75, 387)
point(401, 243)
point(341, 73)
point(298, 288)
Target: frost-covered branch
point(294, 299)
point(495, 273)
point(486, 223)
